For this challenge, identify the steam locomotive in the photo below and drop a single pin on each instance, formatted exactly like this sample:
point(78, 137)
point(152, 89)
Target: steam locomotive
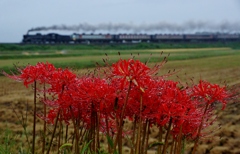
point(53, 38)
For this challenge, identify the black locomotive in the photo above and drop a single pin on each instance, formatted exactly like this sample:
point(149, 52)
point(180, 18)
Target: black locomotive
point(53, 38)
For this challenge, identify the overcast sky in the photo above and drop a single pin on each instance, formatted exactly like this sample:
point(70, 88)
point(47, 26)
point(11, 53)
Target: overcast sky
point(18, 16)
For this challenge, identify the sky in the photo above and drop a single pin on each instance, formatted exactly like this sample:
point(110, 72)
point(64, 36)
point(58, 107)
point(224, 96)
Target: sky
point(116, 16)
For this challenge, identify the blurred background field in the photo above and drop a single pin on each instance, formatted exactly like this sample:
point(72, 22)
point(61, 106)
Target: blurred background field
point(219, 56)
point(216, 64)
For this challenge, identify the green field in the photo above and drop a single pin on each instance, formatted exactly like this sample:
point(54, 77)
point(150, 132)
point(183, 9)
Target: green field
point(214, 63)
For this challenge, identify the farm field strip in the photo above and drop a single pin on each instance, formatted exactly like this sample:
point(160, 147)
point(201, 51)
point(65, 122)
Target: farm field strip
point(216, 69)
point(93, 56)
point(213, 69)
point(190, 50)
point(102, 51)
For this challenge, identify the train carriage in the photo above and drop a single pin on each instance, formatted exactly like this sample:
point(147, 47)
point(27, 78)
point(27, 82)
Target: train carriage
point(199, 37)
point(132, 38)
point(167, 37)
point(231, 37)
point(92, 38)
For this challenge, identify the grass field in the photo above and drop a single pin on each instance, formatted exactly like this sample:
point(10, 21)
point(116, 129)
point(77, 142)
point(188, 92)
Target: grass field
point(183, 58)
point(216, 65)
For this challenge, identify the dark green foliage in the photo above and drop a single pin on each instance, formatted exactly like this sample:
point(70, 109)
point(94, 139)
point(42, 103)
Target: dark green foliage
point(155, 144)
point(163, 45)
point(6, 142)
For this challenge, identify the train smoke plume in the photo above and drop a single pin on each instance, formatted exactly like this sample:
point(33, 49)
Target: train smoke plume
point(190, 26)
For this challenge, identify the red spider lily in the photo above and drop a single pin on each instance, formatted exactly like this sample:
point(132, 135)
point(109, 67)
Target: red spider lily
point(188, 124)
point(47, 70)
point(60, 79)
point(108, 127)
point(51, 116)
point(130, 70)
point(84, 95)
point(96, 95)
point(210, 93)
point(198, 116)
point(171, 103)
point(33, 73)
point(148, 99)
point(96, 90)
point(152, 97)
point(61, 84)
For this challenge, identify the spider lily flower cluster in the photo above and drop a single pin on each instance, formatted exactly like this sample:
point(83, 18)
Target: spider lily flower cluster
point(128, 91)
